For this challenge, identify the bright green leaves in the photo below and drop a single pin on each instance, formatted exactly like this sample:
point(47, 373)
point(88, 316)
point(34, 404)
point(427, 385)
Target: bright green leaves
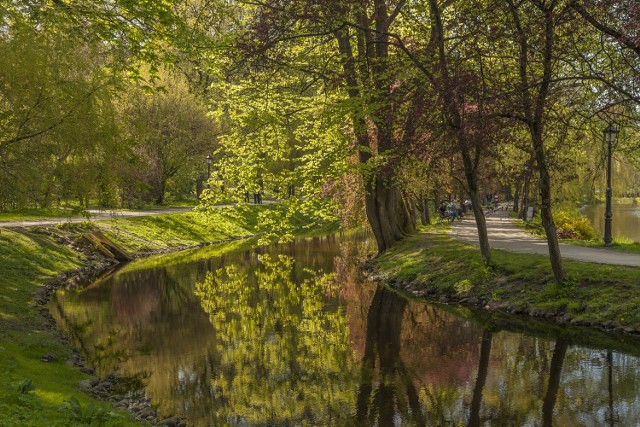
point(283, 353)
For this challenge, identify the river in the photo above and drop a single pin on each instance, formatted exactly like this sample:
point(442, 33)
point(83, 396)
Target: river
point(625, 221)
point(294, 335)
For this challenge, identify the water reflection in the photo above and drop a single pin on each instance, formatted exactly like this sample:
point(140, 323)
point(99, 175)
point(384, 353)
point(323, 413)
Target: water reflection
point(292, 335)
point(625, 223)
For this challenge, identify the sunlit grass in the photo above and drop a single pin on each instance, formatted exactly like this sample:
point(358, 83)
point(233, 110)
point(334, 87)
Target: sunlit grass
point(28, 214)
point(593, 293)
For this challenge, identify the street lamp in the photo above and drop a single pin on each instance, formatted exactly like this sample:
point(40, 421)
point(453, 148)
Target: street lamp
point(209, 161)
point(610, 135)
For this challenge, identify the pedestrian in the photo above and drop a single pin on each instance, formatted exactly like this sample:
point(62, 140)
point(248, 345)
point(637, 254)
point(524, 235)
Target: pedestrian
point(452, 211)
point(443, 210)
point(495, 201)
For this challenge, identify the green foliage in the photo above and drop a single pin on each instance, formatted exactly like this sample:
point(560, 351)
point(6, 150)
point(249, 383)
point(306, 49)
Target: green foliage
point(26, 387)
point(90, 414)
point(273, 334)
point(571, 225)
point(168, 134)
point(463, 287)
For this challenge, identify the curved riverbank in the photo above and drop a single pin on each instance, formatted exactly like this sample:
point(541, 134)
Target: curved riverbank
point(44, 381)
point(434, 265)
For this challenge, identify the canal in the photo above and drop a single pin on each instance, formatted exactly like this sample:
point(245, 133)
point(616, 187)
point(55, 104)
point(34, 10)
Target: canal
point(625, 222)
point(294, 335)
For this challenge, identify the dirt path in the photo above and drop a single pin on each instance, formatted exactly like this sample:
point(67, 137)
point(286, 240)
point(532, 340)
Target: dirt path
point(503, 234)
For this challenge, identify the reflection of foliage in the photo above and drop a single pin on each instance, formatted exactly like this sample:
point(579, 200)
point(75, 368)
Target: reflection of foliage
point(133, 384)
point(284, 356)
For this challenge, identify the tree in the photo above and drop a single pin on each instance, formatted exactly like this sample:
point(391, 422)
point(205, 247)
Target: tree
point(168, 130)
point(537, 53)
point(356, 37)
point(53, 117)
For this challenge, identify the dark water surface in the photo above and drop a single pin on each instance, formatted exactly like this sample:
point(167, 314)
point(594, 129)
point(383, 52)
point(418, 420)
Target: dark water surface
point(624, 223)
point(292, 335)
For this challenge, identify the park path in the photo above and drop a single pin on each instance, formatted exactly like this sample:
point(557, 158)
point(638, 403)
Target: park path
point(96, 215)
point(503, 234)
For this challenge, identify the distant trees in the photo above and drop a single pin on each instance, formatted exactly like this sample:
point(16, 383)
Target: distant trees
point(63, 136)
point(167, 133)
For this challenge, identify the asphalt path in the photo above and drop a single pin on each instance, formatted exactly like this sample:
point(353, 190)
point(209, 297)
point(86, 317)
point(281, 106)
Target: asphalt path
point(96, 215)
point(503, 234)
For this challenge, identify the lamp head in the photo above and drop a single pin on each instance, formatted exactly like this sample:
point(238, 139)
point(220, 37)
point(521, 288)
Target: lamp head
point(610, 132)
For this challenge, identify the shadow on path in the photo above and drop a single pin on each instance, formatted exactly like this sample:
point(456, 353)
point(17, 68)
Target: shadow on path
point(503, 234)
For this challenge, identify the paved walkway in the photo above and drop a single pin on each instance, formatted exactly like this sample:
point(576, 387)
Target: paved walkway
point(96, 215)
point(503, 234)
point(103, 214)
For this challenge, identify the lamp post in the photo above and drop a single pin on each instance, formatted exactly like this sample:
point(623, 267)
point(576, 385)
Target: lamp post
point(209, 161)
point(610, 135)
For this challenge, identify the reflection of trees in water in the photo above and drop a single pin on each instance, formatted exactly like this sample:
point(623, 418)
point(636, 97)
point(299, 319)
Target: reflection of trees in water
point(288, 351)
point(462, 374)
point(414, 366)
point(282, 347)
point(149, 326)
point(394, 390)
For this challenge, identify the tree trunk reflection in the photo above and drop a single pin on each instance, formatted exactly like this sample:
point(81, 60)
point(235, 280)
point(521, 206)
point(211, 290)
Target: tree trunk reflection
point(555, 372)
point(384, 327)
point(483, 368)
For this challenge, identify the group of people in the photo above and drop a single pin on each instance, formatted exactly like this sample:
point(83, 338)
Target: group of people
point(492, 201)
point(451, 210)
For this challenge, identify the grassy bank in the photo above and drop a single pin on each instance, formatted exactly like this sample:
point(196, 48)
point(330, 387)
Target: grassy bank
point(431, 264)
point(32, 391)
point(47, 393)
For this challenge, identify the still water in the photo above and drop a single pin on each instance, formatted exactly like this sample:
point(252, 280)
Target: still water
point(293, 335)
point(625, 221)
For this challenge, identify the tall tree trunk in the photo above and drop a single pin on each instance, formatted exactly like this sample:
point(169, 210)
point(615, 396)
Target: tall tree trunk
point(450, 98)
point(387, 212)
point(516, 196)
point(425, 216)
point(526, 196)
point(534, 107)
point(159, 191)
point(545, 210)
point(471, 175)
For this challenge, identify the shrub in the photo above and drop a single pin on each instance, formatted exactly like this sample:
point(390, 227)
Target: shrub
point(574, 226)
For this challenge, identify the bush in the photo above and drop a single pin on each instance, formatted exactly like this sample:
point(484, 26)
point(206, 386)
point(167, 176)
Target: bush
point(573, 226)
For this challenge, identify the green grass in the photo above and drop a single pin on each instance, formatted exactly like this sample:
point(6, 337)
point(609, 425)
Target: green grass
point(187, 256)
point(29, 214)
point(619, 244)
point(433, 264)
point(150, 233)
point(29, 259)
